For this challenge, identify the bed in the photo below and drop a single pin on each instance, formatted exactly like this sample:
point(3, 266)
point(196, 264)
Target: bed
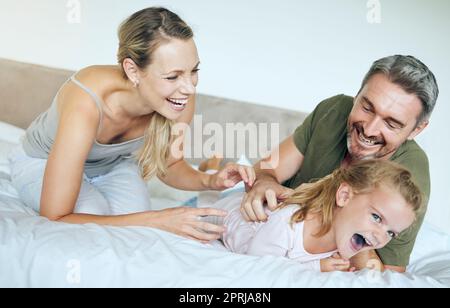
point(35, 252)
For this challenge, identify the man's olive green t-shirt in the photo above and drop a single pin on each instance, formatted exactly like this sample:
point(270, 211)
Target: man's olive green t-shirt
point(322, 139)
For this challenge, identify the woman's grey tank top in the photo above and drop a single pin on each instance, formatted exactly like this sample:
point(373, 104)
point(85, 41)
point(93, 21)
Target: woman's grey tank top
point(40, 136)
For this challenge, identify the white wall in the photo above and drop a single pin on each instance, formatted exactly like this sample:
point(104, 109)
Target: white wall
point(286, 53)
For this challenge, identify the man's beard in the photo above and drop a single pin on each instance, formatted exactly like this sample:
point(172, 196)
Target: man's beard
point(357, 129)
point(353, 156)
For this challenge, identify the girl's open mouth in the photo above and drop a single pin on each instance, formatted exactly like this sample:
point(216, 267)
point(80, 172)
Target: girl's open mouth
point(359, 242)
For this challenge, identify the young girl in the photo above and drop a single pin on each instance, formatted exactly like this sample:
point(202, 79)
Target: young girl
point(76, 162)
point(323, 224)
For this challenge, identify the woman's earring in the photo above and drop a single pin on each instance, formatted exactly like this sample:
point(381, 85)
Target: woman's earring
point(136, 83)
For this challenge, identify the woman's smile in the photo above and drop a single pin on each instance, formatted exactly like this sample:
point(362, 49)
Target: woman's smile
point(177, 104)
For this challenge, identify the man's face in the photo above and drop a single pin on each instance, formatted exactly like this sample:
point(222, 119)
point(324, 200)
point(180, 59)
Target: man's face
point(383, 117)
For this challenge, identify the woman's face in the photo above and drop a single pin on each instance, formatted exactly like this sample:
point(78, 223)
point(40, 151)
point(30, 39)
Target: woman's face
point(370, 220)
point(168, 83)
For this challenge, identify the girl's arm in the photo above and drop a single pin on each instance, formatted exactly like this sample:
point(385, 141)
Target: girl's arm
point(331, 264)
point(275, 236)
point(335, 263)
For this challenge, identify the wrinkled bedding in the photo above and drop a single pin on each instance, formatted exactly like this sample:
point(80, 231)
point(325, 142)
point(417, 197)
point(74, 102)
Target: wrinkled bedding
point(35, 252)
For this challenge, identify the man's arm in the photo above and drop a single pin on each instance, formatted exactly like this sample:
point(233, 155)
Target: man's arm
point(281, 165)
point(370, 259)
point(398, 251)
point(399, 269)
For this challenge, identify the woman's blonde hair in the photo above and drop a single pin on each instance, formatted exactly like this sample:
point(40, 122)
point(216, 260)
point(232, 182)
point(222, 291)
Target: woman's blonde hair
point(363, 177)
point(139, 36)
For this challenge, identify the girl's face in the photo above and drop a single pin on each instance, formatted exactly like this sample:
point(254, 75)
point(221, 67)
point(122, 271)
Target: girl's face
point(168, 83)
point(370, 220)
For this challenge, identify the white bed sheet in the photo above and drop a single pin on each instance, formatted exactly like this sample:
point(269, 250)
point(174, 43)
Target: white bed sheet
point(35, 252)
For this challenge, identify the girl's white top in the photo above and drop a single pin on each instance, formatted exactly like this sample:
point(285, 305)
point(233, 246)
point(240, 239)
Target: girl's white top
point(276, 237)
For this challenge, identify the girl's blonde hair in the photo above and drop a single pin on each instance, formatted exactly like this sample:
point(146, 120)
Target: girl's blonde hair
point(139, 36)
point(363, 177)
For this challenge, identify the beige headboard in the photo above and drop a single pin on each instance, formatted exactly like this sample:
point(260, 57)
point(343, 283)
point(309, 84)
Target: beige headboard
point(27, 89)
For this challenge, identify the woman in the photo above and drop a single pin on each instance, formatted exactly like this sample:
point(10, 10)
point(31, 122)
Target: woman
point(75, 164)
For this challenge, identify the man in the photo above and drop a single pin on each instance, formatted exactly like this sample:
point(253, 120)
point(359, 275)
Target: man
point(392, 107)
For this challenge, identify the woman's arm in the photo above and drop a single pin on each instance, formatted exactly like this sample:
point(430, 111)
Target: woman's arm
point(77, 130)
point(182, 176)
point(182, 221)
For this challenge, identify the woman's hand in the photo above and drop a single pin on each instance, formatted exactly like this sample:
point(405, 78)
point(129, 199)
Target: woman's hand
point(335, 263)
point(185, 221)
point(230, 175)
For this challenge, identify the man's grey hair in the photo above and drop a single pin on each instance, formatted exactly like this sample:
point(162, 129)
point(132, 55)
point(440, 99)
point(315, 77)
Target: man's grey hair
point(413, 76)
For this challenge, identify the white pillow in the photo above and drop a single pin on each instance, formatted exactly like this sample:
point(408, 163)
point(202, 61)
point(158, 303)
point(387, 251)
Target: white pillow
point(9, 137)
point(159, 190)
point(5, 148)
point(10, 133)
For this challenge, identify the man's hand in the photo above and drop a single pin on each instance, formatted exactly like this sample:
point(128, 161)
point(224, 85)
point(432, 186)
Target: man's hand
point(367, 259)
point(264, 190)
point(282, 164)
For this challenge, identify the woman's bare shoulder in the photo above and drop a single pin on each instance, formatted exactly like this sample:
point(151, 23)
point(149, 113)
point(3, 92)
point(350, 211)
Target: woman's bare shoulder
point(73, 98)
point(98, 76)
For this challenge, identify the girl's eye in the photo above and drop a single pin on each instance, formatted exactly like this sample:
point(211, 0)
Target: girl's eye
point(391, 234)
point(376, 218)
point(172, 78)
point(195, 71)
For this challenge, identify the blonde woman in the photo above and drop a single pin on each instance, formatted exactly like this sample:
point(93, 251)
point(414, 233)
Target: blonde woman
point(323, 224)
point(76, 164)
